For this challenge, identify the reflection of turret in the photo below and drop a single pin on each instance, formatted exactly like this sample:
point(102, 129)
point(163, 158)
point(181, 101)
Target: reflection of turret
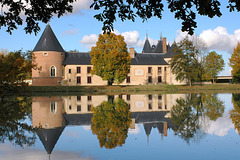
point(49, 137)
point(47, 115)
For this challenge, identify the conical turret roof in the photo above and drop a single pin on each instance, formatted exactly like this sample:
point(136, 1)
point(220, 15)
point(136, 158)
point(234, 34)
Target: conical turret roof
point(49, 137)
point(147, 47)
point(48, 41)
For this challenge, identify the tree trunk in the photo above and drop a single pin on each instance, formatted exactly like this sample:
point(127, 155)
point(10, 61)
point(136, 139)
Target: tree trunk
point(110, 98)
point(110, 81)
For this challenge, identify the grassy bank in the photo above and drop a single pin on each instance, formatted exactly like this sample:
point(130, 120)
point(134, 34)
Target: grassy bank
point(72, 90)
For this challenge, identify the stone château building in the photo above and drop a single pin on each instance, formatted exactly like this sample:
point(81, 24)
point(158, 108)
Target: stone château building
point(62, 68)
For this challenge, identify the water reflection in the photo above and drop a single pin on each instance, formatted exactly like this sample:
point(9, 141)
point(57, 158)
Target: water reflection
point(235, 113)
point(110, 120)
point(188, 114)
point(13, 113)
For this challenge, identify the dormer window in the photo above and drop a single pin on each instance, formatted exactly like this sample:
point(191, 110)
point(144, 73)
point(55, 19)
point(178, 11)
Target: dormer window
point(45, 54)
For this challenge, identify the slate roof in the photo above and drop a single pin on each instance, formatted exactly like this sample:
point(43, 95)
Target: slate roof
point(49, 137)
point(148, 59)
point(48, 41)
point(147, 47)
point(77, 58)
point(159, 47)
point(170, 52)
point(84, 58)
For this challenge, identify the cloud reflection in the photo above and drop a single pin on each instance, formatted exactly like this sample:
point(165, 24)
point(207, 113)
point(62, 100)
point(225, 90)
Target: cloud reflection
point(7, 152)
point(220, 127)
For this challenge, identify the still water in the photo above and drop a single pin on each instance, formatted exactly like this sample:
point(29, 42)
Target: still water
point(101, 127)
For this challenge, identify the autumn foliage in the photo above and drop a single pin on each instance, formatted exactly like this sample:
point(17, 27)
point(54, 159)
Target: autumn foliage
point(234, 62)
point(110, 58)
point(110, 122)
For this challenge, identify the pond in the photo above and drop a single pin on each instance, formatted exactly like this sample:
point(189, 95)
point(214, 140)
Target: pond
point(137, 126)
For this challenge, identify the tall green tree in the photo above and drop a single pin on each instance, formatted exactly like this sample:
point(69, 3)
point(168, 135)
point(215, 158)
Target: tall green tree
point(213, 64)
point(185, 64)
point(110, 122)
point(234, 62)
point(110, 58)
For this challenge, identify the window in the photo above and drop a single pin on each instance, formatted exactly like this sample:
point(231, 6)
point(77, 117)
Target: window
point(89, 107)
point(159, 97)
point(79, 98)
point(128, 97)
point(120, 96)
point(70, 107)
point(89, 98)
point(89, 79)
point(78, 69)
point(149, 69)
point(159, 105)
point(88, 69)
point(53, 107)
point(149, 105)
point(45, 54)
point(149, 97)
point(69, 71)
point(128, 79)
point(129, 106)
point(165, 69)
point(159, 69)
point(53, 71)
point(159, 79)
point(69, 80)
point(149, 79)
point(79, 108)
point(165, 106)
point(78, 79)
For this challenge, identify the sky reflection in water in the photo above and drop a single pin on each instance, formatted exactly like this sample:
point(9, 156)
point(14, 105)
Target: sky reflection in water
point(215, 139)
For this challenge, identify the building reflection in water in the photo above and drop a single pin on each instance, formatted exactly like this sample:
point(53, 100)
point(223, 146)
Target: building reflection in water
point(52, 114)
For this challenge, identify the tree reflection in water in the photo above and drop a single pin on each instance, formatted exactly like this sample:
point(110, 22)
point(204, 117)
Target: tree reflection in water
point(188, 114)
point(110, 122)
point(235, 113)
point(13, 111)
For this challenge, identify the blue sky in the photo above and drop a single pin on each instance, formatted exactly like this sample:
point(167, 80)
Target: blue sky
point(79, 30)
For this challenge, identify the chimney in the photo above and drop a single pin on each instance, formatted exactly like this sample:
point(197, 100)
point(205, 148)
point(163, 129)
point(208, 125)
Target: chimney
point(132, 52)
point(164, 45)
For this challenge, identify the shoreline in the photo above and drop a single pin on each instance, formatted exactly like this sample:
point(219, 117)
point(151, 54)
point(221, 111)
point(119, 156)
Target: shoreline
point(81, 90)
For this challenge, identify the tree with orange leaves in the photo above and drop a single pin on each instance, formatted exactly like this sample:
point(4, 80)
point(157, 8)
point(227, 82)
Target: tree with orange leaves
point(234, 62)
point(110, 58)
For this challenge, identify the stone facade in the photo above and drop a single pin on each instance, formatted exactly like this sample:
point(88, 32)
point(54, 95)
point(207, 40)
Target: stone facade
point(151, 67)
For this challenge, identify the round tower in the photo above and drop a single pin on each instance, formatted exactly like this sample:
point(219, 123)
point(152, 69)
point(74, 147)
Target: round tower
point(48, 54)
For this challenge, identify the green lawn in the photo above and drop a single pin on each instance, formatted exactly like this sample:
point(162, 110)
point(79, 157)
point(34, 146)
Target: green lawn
point(61, 90)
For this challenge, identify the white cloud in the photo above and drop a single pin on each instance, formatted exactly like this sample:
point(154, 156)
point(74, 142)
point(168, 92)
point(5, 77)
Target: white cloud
point(89, 41)
point(220, 39)
point(131, 38)
point(140, 43)
point(80, 5)
point(216, 39)
point(70, 32)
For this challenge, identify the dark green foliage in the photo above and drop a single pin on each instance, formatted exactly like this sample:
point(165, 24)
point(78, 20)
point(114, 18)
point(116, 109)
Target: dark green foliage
point(185, 10)
point(13, 111)
point(185, 64)
point(34, 11)
point(186, 114)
